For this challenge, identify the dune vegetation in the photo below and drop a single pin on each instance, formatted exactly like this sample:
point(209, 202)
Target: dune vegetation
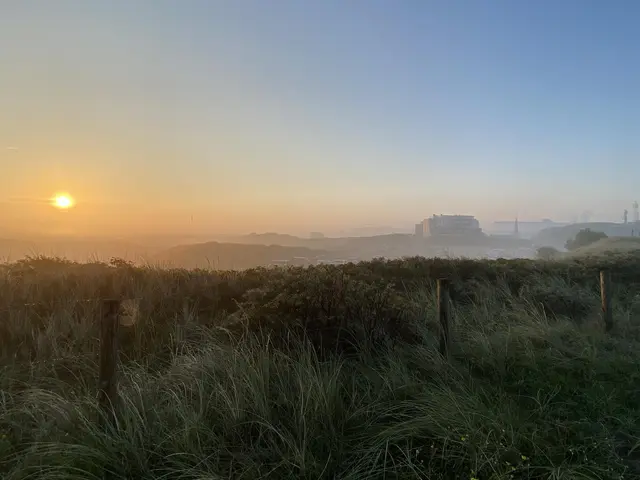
point(323, 372)
point(610, 245)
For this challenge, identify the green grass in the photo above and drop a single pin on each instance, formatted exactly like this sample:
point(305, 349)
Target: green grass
point(610, 245)
point(331, 372)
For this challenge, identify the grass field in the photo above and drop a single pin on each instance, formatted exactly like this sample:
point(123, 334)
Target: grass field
point(329, 372)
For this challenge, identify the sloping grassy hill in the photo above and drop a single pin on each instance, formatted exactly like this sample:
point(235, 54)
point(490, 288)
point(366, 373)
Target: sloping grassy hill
point(227, 256)
point(613, 245)
point(326, 372)
point(406, 243)
point(557, 236)
point(249, 255)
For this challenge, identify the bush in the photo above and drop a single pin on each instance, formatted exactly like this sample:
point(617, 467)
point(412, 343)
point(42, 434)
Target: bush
point(333, 309)
point(583, 238)
point(548, 253)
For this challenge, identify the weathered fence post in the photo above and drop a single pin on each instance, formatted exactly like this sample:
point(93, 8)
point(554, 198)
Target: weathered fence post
point(605, 296)
point(107, 383)
point(444, 316)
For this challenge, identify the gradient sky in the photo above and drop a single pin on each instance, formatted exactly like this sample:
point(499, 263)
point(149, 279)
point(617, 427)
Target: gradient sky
point(239, 116)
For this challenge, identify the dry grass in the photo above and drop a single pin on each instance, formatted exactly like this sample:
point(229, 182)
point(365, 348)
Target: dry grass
point(324, 373)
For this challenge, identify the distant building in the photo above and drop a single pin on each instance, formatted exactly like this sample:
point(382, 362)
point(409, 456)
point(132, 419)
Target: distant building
point(451, 225)
point(419, 231)
point(316, 235)
point(522, 229)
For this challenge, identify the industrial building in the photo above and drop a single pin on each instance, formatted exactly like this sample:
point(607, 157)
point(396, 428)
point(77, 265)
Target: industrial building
point(448, 225)
point(520, 229)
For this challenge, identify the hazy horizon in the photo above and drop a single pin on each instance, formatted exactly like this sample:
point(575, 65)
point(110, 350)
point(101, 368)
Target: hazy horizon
point(210, 118)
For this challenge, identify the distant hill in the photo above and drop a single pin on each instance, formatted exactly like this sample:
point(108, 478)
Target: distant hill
point(408, 244)
point(558, 236)
point(232, 256)
point(256, 249)
point(270, 238)
point(326, 243)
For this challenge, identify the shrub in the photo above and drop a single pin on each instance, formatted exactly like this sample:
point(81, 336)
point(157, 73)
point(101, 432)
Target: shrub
point(583, 238)
point(548, 253)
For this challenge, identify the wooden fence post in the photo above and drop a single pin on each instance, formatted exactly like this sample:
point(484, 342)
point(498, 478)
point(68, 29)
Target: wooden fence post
point(444, 316)
point(107, 383)
point(605, 296)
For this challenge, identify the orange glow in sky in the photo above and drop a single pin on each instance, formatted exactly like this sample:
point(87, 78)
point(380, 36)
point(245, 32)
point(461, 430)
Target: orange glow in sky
point(292, 131)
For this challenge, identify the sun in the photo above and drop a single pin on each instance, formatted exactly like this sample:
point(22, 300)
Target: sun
point(62, 201)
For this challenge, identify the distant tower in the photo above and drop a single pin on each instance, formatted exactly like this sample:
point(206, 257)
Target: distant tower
point(636, 215)
point(515, 228)
point(625, 216)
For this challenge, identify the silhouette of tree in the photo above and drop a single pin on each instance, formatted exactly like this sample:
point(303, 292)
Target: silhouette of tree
point(583, 238)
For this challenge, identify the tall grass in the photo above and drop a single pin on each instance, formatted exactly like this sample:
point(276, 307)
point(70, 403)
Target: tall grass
point(534, 388)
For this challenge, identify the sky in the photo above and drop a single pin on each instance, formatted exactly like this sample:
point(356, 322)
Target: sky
point(246, 116)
